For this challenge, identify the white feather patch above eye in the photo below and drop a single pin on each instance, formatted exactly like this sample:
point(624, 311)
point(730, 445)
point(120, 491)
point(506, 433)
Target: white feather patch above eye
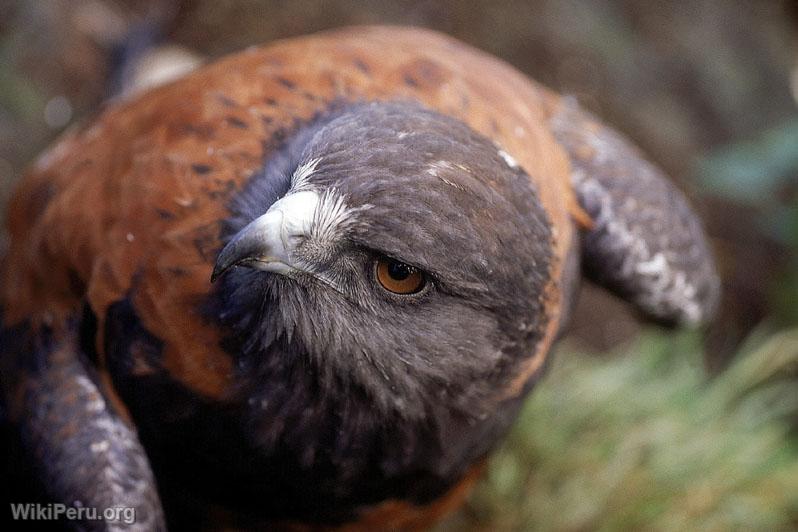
point(299, 180)
point(332, 215)
point(320, 213)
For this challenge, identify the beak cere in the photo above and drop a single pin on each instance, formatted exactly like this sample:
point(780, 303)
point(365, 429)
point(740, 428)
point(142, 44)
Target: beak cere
point(267, 243)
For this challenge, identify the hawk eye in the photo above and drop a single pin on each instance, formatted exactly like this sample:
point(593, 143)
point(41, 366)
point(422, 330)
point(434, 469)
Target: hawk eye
point(398, 277)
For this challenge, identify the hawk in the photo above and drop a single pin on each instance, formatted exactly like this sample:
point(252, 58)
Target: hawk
point(395, 225)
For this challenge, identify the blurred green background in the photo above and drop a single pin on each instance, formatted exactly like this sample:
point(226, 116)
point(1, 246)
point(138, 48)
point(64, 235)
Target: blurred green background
point(634, 428)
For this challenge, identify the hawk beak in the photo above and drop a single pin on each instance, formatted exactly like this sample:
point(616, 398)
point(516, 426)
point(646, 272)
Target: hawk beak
point(268, 242)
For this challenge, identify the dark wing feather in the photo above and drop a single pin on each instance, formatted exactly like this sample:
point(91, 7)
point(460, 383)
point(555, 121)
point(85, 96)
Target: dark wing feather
point(646, 243)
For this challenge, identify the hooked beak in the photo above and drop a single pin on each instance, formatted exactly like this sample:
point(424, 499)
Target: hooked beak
point(268, 242)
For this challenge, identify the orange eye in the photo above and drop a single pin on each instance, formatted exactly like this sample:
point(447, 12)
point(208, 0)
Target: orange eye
point(398, 277)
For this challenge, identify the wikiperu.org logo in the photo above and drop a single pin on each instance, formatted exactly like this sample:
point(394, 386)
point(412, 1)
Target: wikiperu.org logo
point(76, 512)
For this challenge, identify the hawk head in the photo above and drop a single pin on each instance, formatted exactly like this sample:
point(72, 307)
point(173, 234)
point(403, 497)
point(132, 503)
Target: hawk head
point(391, 252)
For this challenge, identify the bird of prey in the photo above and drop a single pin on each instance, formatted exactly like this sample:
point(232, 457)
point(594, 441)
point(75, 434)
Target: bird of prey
point(309, 285)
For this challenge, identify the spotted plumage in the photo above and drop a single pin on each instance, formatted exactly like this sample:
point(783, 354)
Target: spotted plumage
point(303, 387)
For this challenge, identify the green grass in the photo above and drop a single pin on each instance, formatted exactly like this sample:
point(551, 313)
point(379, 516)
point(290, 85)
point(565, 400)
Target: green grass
point(644, 440)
